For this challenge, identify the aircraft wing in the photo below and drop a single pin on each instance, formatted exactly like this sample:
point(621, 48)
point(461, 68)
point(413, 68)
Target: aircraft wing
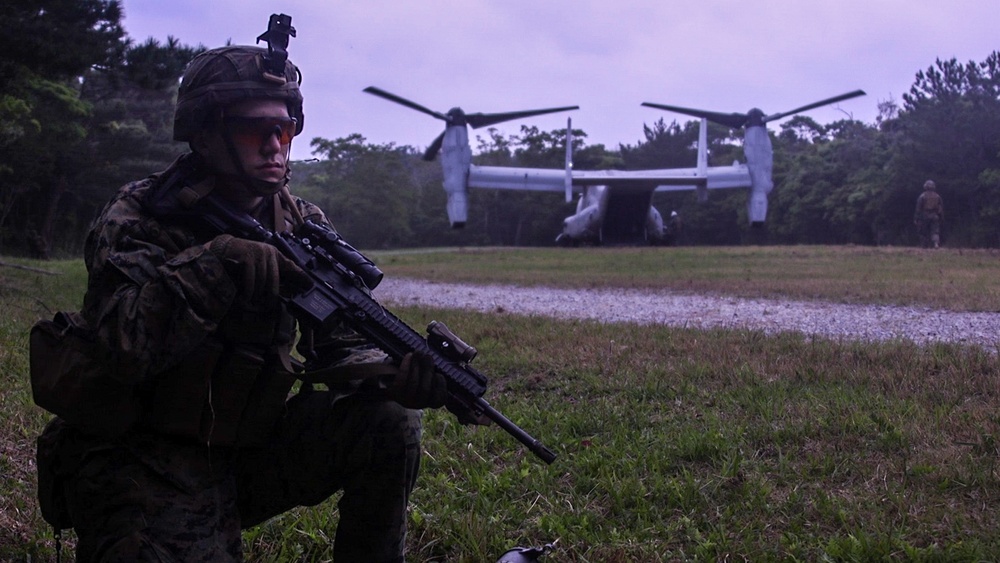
point(525, 179)
point(554, 180)
point(718, 178)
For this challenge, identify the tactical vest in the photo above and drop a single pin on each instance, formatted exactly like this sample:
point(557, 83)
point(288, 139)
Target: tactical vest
point(230, 391)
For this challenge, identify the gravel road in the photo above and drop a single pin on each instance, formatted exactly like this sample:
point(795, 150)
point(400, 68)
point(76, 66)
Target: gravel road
point(832, 320)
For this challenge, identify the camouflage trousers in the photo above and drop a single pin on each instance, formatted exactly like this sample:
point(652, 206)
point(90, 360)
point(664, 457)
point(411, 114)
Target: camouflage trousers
point(929, 227)
point(149, 498)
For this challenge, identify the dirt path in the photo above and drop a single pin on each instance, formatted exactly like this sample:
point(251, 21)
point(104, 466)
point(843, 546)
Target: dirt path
point(832, 320)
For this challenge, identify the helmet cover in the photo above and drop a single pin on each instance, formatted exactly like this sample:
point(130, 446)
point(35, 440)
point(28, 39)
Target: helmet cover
point(226, 75)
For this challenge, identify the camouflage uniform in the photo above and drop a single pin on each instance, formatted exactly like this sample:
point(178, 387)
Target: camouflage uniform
point(157, 295)
point(928, 215)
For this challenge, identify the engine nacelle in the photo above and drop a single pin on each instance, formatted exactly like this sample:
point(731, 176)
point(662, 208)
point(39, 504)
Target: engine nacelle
point(760, 163)
point(456, 156)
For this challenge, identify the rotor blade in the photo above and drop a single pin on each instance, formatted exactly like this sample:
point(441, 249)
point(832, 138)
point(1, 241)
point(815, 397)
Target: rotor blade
point(403, 101)
point(731, 120)
point(432, 150)
point(477, 120)
point(827, 101)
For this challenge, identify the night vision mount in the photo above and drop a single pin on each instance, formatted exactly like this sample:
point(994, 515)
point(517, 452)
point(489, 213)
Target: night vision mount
point(279, 29)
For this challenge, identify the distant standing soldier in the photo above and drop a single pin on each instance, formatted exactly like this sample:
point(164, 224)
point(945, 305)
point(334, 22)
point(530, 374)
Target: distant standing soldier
point(928, 215)
point(674, 228)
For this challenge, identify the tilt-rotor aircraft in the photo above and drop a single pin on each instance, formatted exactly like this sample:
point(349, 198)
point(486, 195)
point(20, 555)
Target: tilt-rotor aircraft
point(615, 206)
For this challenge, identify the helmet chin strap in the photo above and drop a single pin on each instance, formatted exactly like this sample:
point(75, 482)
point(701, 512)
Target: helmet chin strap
point(255, 185)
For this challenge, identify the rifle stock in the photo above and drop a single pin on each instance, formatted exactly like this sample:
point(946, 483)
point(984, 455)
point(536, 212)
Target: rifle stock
point(341, 281)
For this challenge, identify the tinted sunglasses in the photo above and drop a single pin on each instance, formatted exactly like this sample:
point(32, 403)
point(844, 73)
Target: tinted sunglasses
point(257, 130)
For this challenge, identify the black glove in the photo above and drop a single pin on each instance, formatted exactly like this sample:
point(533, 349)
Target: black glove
point(258, 269)
point(418, 385)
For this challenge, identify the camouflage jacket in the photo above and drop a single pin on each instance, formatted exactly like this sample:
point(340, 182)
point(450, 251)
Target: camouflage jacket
point(929, 204)
point(156, 293)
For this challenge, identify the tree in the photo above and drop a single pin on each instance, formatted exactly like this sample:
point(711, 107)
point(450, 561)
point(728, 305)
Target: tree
point(46, 44)
point(40, 165)
point(363, 185)
point(60, 38)
point(665, 146)
point(130, 127)
point(51, 40)
point(949, 131)
point(110, 126)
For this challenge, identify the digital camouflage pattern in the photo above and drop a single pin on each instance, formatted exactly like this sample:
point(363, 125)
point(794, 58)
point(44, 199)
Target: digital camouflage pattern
point(157, 295)
point(145, 498)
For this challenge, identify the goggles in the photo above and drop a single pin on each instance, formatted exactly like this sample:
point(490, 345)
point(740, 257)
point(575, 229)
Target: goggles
point(255, 131)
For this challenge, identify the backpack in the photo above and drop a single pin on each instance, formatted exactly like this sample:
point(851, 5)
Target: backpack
point(70, 381)
point(931, 202)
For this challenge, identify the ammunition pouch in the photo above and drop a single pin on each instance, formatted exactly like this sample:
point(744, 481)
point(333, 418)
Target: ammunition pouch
point(223, 395)
point(52, 473)
point(259, 328)
point(70, 381)
point(226, 395)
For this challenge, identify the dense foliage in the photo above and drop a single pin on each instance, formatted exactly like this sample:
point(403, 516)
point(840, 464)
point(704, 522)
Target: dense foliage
point(84, 109)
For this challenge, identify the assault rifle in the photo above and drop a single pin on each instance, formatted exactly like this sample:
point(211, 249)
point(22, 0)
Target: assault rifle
point(341, 277)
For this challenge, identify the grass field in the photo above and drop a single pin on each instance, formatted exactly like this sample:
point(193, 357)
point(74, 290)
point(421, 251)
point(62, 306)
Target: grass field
point(673, 444)
point(961, 280)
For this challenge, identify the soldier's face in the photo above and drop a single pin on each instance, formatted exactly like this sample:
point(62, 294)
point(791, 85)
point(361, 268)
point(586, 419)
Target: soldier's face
point(261, 132)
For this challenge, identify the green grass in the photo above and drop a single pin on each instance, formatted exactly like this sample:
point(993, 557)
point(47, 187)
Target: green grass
point(25, 296)
point(673, 444)
point(962, 280)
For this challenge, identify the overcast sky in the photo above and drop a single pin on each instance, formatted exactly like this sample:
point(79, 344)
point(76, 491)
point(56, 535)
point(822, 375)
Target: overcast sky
point(606, 56)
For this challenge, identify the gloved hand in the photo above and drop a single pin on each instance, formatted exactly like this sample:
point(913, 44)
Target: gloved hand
point(258, 269)
point(418, 385)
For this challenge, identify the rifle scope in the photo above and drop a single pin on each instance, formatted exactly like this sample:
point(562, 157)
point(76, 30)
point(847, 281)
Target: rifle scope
point(342, 252)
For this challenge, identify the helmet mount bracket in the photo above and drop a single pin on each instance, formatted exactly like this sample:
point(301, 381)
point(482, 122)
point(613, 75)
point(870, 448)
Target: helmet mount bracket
point(279, 29)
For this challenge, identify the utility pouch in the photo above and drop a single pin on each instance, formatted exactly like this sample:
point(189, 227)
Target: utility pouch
point(266, 404)
point(69, 380)
point(51, 478)
point(221, 397)
point(179, 395)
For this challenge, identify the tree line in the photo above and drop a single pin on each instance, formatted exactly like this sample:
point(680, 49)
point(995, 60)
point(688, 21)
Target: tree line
point(84, 109)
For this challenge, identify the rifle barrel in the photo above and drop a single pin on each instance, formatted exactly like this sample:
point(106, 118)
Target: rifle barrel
point(532, 443)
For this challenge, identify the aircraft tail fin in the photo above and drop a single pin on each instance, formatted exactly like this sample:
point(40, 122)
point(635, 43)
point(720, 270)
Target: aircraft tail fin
point(569, 160)
point(702, 189)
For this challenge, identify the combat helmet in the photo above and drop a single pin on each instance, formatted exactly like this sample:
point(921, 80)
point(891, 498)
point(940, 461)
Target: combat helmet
point(225, 75)
point(930, 185)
